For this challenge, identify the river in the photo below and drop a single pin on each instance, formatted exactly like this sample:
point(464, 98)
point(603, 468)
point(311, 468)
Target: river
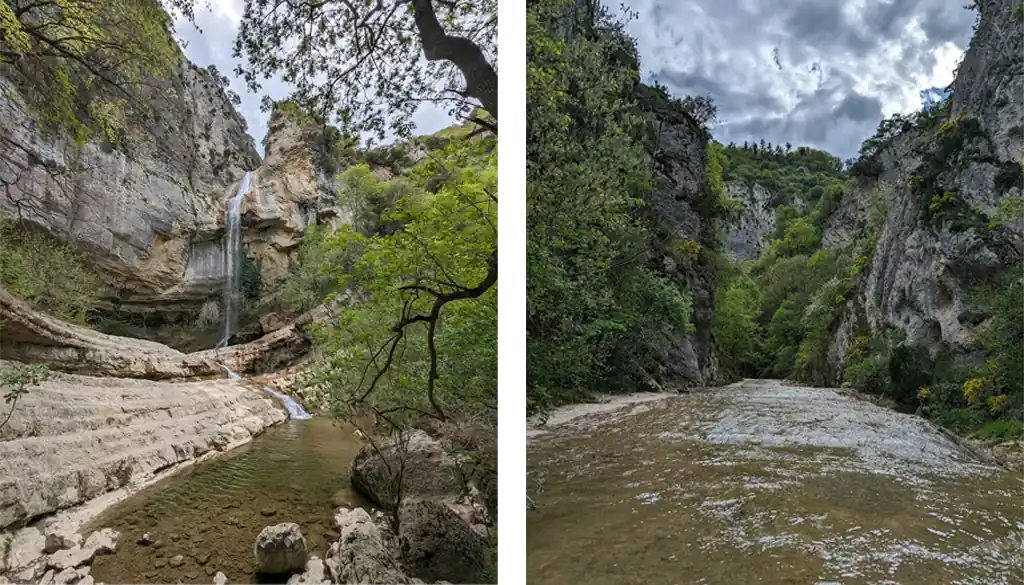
point(209, 516)
point(762, 482)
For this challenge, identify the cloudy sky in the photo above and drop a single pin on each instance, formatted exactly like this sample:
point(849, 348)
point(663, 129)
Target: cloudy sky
point(815, 72)
point(219, 25)
point(842, 65)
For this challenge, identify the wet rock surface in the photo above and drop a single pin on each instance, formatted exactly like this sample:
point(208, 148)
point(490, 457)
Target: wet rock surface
point(770, 483)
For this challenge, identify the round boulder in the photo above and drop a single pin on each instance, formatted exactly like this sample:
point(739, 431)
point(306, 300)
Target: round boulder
point(280, 549)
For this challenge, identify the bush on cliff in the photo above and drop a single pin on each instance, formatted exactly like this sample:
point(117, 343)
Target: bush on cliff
point(50, 275)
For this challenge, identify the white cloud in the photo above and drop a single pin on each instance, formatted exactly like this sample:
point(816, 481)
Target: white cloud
point(874, 56)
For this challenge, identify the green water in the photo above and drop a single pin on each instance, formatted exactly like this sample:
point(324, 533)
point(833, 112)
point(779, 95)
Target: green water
point(211, 514)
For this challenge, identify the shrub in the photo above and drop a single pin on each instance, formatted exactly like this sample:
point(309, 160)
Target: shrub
point(50, 275)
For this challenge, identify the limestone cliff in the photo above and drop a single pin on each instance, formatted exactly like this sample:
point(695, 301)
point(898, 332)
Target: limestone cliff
point(677, 209)
point(943, 231)
point(750, 235)
point(148, 210)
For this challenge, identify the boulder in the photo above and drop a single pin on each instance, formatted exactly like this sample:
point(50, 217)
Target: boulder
point(280, 549)
point(429, 472)
point(437, 544)
point(103, 542)
point(220, 578)
point(70, 558)
point(362, 553)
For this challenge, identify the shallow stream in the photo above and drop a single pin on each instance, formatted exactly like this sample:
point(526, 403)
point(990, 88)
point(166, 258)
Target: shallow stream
point(772, 484)
point(206, 519)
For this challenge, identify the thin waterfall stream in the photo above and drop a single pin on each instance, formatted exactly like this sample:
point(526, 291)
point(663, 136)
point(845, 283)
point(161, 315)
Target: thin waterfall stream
point(232, 250)
point(232, 290)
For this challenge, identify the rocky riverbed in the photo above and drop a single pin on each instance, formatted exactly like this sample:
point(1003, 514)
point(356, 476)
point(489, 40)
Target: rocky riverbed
point(769, 483)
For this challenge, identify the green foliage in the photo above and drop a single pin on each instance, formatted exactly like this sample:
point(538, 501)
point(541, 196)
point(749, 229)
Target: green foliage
point(599, 313)
point(86, 66)
point(250, 279)
point(802, 174)
point(51, 276)
point(17, 382)
point(443, 245)
point(1000, 430)
point(314, 274)
point(736, 330)
point(801, 237)
point(1010, 175)
point(368, 66)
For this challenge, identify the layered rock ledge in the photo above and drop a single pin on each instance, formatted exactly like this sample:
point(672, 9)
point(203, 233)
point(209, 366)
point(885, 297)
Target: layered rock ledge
point(75, 438)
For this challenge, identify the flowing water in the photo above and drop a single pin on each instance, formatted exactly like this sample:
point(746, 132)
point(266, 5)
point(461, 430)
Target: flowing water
point(232, 252)
point(295, 410)
point(766, 483)
point(211, 514)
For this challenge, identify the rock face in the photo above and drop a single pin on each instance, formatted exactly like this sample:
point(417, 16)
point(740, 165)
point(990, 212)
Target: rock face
point(921, 273)
point(442, 517)
point(429, 472)
point(35, 337)
point(74, 437)
point(289, 192)
point(280, 549)
point(750, 235)
point(680, 189)
point(147, 212)
point(438, 545)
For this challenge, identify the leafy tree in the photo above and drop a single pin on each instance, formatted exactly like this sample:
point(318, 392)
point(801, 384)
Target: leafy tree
point(369, 65)
point(87, 66)
point(431, 364)
point(599, 312)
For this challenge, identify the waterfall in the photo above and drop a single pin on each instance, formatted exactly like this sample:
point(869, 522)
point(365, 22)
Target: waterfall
point(232, 251)
point(295, 410)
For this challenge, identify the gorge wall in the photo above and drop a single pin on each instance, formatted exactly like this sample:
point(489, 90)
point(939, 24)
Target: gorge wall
point(907, 246)
point(927, 261)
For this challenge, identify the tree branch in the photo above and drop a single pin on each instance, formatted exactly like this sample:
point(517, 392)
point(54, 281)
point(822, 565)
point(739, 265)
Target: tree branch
point(481, 79)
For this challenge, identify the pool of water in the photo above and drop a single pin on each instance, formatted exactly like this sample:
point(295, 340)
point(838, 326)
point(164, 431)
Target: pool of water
point(210, 515)
point(770, 485)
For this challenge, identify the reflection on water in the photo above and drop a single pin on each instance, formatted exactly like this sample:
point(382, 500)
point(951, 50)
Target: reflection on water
point(211, 514)
point(768, 485)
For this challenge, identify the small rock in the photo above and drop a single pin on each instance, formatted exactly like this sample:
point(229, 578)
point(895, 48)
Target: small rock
point(192, 576)
point(280, 549)
point(70, 558)
point(53, 544)
point(27, 576)
point(210, 571)
point(104, 542)
point(88, 580)
point(158, 544)
point(268, 512)
point(177, 561)
point(160, 563)
point(220, 579)
point(144, 540)
point(73, 540)
point(47, 578)
point(203, 558)
point(175, 537)
point(313, 575)
point(66, 576)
